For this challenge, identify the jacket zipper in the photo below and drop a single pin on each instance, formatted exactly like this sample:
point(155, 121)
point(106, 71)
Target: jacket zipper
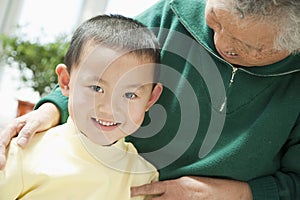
point(234, 70)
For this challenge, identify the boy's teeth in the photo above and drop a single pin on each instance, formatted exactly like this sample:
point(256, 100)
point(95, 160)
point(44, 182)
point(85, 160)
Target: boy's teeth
point(105, 123)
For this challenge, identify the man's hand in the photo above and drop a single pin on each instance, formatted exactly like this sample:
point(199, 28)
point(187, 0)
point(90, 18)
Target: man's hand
point(191, 187)
point(24, 127)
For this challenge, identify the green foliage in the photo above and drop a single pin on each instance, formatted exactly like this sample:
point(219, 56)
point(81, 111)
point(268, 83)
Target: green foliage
point(36, 61)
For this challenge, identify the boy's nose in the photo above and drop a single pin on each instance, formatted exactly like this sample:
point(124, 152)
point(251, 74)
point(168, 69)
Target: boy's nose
point(104, 103)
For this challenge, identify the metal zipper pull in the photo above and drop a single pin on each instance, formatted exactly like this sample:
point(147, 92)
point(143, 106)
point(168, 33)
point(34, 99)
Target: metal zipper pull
point(234, 69)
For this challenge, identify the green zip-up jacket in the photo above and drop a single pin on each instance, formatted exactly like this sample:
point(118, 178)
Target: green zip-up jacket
point(215, 119)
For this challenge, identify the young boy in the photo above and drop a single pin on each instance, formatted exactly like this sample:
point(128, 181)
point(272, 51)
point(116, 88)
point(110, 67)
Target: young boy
point(110, 76)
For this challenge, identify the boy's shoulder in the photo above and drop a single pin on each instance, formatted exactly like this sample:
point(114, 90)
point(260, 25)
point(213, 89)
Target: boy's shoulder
point(139, 167)
point(42, 141)
point(139, 163)
point(54, 133)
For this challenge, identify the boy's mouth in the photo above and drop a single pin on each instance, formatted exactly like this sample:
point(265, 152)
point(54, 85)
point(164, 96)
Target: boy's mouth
point(106, 123)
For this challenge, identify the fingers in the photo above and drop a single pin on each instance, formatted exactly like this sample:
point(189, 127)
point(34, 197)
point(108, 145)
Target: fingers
point(26, 133)
point(155, 188)
point(2, 156)
point(6, 134)
point(25, 127)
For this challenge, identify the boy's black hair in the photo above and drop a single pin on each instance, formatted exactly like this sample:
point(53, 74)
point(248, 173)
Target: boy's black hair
point(116, 32)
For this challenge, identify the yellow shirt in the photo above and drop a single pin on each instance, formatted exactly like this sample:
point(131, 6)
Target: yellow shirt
point(63, 164)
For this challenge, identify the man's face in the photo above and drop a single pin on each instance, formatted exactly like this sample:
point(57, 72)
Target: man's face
point(242, 41)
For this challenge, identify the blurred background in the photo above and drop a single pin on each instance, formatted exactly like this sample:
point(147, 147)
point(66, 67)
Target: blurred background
point(34, 36)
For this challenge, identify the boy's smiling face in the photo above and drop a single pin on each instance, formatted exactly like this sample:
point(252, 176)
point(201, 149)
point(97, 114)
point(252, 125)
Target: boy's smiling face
point(109, 94)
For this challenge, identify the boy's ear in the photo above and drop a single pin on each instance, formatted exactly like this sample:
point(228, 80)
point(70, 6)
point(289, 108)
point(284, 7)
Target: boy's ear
point(156, 92)
point(63, 77)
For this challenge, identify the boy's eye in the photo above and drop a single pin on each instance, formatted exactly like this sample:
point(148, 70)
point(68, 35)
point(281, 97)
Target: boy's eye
point(97, 88)
point(130, 95)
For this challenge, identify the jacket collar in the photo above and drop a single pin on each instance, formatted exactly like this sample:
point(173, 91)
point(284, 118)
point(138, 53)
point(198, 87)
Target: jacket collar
point(194, 22)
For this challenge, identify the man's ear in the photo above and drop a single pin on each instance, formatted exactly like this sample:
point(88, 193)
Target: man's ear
point(63, 77)
point(156, 92)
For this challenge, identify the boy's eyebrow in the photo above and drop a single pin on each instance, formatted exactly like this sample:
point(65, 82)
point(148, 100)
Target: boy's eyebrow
point(138, 86)
point(100, 80)
point(95, 78)
point(135, 85)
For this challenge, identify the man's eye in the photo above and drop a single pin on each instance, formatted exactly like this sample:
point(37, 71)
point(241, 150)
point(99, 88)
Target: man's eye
point(130, 95)
point(97, 88)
